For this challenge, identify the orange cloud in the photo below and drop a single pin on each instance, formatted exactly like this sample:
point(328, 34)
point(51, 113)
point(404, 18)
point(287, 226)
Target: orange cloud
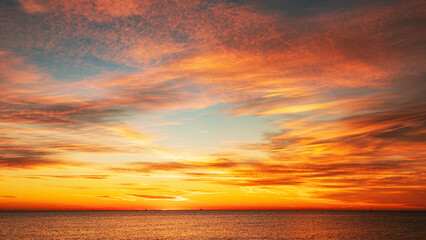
point(7, 197)
point(153, 197)
point(98, 176)
point(28, 157)
point(34, 6)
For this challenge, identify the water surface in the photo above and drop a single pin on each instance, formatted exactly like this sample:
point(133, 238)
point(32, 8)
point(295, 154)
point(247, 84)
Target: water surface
point(213, 225)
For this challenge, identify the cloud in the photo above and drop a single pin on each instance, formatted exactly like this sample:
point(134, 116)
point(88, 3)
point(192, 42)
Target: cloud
point(148, 167)
point(276, 47)
point(59, 114)
point(34, 6)
point(93, 10)
point(28, 157)
point(7, 196)
point(93, 176)
point(41, 126)
point(110, 197)
point(273, 51)
point(262, 182)
point(17, 72)
point(382, 196)
point(149, 92)
point(154, 197)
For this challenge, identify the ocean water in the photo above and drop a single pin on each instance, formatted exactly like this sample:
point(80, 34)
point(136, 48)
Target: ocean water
point(213, 225)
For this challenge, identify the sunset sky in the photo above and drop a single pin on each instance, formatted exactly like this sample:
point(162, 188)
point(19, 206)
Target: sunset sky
point(189, 104)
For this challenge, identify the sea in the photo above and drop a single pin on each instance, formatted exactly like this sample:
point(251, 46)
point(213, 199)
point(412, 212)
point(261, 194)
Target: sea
point(213, 225)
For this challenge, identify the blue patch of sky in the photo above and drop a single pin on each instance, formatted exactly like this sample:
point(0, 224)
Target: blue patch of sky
point(208, 128)
point(74, 68)
point(9, 3)
point(301, 8)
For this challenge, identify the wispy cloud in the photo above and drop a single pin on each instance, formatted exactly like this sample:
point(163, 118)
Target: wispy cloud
point(28, 157)
point(69, 176)
point(7, 197)
point(154, 197)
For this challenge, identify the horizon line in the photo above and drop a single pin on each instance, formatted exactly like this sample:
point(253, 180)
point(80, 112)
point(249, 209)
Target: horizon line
point(198, 210)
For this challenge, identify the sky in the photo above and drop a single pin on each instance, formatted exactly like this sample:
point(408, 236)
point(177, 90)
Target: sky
point(189, 104)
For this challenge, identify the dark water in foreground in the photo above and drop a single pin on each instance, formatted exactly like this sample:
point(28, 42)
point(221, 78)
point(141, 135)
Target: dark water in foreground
point(213, 225)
